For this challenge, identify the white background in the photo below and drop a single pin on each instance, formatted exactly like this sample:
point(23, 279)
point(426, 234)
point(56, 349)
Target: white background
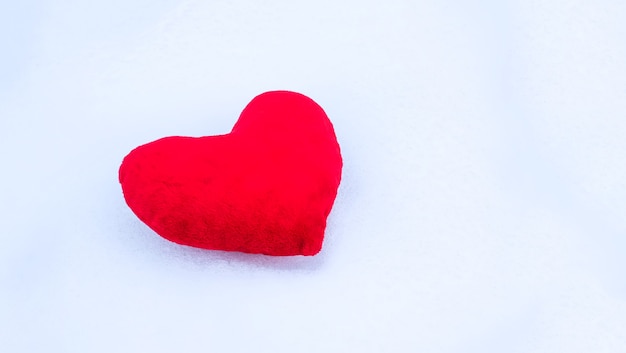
point(482, 207)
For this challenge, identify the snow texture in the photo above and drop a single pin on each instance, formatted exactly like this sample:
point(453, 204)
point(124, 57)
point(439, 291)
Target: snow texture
point(483, 201)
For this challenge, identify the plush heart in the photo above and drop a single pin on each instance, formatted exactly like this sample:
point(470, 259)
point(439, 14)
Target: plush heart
point(266, 187)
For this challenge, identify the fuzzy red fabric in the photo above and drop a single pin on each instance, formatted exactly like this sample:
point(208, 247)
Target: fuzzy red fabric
point(266, 187)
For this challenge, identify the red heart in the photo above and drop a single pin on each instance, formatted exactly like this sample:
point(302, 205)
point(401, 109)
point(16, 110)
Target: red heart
point(266, 187)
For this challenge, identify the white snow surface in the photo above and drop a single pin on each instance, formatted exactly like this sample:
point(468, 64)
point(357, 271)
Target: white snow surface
point(483, 201)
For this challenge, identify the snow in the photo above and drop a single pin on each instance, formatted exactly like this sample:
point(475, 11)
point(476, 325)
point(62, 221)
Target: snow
point(484, 192)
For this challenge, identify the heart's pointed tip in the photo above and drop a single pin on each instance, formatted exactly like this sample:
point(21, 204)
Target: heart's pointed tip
point(312, 252)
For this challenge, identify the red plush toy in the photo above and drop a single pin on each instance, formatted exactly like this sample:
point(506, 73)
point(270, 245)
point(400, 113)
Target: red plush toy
point(266, 187)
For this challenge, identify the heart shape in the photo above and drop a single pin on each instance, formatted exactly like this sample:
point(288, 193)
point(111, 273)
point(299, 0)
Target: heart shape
point(266, 187)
